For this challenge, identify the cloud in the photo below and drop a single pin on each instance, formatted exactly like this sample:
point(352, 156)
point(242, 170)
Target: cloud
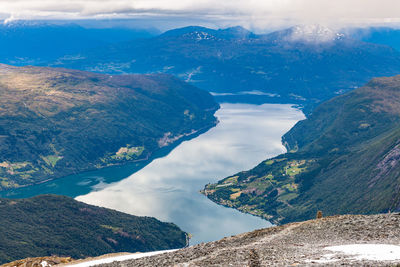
point(250, 13)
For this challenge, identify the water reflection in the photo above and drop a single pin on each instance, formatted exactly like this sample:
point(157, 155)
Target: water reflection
point(168, 187)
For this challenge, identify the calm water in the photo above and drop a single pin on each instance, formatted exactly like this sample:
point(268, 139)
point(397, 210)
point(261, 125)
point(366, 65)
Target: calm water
point(168, 187)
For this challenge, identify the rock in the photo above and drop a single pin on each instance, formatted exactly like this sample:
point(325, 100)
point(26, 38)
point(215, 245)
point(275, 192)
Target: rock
point(39, 262)
point(300, 243)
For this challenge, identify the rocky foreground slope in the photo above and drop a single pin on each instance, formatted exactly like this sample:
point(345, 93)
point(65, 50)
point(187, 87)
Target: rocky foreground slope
point(295, 244)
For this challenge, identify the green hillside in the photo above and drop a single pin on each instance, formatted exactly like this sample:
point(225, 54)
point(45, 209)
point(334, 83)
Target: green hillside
point(343, 159)
point(56, 225)
point(56, 122)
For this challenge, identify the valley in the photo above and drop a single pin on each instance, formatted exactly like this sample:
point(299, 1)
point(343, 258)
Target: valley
point(99, 126)
point(342, 159)
point(299, 65)
point(303, 64)
point(168, 187)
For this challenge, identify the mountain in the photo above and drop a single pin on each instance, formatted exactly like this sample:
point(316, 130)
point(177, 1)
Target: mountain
point(311, 34)
point(201, 33)
point(378, 35)
point(56, 225)
point(56, 122)
point(37, 261)
point(342, 159)
point(35, 42)
point(303, 64)
point(350, 240)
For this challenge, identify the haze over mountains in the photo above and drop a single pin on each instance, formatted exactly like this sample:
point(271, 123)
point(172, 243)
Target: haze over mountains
point(294, 65)
point(38, 42)
point(302, 64)
point(379, 35)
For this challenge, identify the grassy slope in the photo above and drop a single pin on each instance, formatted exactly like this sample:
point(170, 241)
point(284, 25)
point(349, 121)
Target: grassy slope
point(343, 159)
point(54, 122)
point(58, 225)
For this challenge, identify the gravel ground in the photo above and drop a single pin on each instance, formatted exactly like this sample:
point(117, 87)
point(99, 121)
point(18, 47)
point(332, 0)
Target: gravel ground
point(296, 244)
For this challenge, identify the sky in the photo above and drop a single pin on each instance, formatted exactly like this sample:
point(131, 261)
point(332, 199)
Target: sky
point(254, 14)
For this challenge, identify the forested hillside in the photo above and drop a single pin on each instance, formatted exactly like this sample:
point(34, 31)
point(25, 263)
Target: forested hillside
point(56, 225)
point(343, 159)
point(55, 122)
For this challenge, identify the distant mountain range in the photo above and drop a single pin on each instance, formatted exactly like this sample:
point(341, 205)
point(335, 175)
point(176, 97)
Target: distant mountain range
point(57, 225)
point(343, 159)
point(378, 35)
point(56, 122)
point(297, 65)
point(36, 43)
point(302, 64)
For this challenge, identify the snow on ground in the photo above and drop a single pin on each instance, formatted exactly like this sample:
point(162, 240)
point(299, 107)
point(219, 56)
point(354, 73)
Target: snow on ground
point(378, 252)
point(360, 252)
point(356, 252)
point(118, 258)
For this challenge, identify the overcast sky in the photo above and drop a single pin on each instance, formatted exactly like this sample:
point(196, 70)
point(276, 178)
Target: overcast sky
point(255, 14)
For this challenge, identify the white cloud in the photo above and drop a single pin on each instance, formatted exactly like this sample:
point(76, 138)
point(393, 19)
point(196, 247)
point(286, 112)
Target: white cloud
point(250, 13)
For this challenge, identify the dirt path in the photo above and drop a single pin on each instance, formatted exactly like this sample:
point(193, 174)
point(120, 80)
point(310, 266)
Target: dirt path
point(296, 244)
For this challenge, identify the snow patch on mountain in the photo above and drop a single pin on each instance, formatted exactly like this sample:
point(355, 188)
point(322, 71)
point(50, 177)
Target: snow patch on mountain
point(314, 33)
point(198, 36)
point(104, 260)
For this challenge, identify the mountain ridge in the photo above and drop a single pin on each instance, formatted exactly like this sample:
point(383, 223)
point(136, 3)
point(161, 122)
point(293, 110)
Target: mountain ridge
point(223, 61)
point(38, 42)
point(56, 122)
point(236, 32)
point(341, 159)
point(62, 226)
point(311, 34)
point(303, 243)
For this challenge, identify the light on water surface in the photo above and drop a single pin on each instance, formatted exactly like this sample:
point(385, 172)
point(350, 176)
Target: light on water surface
point(168, 188)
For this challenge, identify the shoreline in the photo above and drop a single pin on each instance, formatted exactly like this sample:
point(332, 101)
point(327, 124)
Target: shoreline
point(157, 153)
point(202, 191)
point(266, 217)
